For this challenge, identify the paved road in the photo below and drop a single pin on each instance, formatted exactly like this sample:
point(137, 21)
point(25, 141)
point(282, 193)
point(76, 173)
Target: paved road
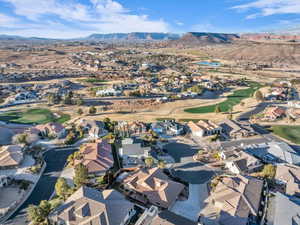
point(258, 109)
point(55, 160)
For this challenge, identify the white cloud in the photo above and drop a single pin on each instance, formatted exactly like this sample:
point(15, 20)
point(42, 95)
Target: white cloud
point(103, 16)
point(36, 9)
point(271, 7)
point(7, 21)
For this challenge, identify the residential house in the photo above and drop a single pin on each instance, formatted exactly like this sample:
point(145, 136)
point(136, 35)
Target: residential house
point(286, 210)
point(294, 113)
point(131, 128)
point(168, 127)
point(239, 199)
point(274, 152)
point(294, 104)
point(289, 175)
point(11, 156)
point(174, 128)
point(152, 186)
point(90, 206)
point(240, 162)
point(204, 128)
point(158, 127)
point(51, 129)
point(133, 153)
point(109, 92)
point(274, 113)
point(95, 129)
point(97, 157)
point(236, 130)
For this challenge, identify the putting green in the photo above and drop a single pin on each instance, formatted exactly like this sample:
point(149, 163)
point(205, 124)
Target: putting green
point(232, 100)
point(291, 133)
point(33, 116)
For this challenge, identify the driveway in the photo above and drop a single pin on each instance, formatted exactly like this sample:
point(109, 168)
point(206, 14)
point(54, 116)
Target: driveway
point(191, 208)
point(185, 167)
point(56, 160)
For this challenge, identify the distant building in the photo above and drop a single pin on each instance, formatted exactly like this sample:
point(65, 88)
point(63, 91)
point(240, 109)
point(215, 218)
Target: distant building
point(294, 104)
point(274, 113)
point(95, 129)
point(51, 129)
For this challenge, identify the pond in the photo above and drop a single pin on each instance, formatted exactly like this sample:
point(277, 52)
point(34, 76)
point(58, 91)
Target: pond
point(206, 63)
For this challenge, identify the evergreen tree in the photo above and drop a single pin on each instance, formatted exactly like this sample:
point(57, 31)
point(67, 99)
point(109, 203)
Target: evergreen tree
point(81, 175)
point(217, 109)
point(80, 111)
point(149, 162)
point(259, 96)
point(62, 188)
point(92, 110)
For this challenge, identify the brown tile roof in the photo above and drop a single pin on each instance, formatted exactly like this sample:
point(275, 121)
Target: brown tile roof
point(194, 127)
point(97, 157)
point(207, 125)
point(290, 175)
point(10, 155)
point(89, 206)
point(238, 197)
point(155, 185)
point(52, 127)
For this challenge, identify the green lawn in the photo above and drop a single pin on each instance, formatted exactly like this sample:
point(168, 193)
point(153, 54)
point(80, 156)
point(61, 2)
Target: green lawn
point(232, 100)
point(291, 133)
point(37, 116)
point(93, 80)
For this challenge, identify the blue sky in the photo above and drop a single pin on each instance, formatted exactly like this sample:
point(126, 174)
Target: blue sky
point(79, 18)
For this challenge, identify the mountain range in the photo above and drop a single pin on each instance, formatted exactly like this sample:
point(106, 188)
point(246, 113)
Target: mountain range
point(190, 39)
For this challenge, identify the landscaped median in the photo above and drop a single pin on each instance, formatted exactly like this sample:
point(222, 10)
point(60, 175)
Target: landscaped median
point(232, 100)
point(290, 133)
point(33, 116)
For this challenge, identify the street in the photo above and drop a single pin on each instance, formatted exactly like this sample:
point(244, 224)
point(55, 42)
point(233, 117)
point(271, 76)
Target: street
point(56, 160)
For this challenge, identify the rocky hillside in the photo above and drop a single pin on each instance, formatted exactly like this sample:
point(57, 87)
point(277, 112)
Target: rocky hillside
point(261, 52)
point(193, 39)
point(270, 37)
point(134, 36)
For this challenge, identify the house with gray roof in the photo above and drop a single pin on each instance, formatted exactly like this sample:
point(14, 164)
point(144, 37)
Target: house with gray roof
point(235, 130)
point(89, 206)
point(132, 152)
point(274, 152)
point(286, 210)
